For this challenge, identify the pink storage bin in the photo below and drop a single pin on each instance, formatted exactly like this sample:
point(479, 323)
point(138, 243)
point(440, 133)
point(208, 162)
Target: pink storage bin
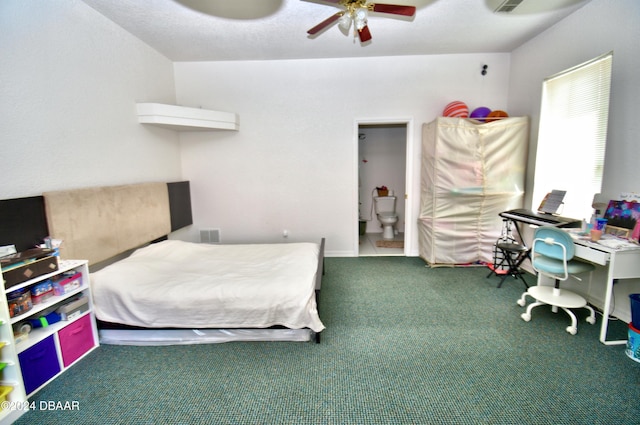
point(76, 339)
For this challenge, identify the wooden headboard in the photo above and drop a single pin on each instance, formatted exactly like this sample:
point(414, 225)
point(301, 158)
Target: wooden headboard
point(100, 223)
point(97, 223)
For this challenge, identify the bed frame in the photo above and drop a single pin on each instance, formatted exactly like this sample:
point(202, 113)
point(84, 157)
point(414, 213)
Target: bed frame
point(102, 223)
point(224, 335)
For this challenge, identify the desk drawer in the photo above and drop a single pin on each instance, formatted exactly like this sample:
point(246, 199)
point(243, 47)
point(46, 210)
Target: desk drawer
point(592, 255)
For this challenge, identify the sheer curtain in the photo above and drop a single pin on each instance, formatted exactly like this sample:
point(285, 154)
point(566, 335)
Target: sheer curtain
point(573, 135)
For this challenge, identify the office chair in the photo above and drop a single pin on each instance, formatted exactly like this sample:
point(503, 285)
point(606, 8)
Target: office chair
point(552, 256)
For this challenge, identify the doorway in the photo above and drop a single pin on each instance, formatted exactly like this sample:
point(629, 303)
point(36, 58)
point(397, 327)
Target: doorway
point(382, 150)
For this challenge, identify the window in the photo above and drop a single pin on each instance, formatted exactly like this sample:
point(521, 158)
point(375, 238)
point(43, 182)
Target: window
point(573, 134)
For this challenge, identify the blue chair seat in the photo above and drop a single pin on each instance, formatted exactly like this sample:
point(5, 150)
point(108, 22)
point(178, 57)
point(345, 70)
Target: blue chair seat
point(552, 256)
point(553, 266)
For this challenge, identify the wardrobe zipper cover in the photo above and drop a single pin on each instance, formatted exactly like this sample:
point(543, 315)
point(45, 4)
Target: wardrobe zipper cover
point(470, 172)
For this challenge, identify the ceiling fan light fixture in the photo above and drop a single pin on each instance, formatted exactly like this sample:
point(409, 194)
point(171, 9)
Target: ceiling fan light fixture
point(361, 18)
point(345, 22)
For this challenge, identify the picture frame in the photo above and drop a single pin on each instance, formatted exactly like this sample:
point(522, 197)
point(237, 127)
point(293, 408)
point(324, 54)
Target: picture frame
point(619, 232)
point(623, 219)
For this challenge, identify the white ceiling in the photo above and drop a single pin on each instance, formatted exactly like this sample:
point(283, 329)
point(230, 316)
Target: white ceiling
point(211, 30)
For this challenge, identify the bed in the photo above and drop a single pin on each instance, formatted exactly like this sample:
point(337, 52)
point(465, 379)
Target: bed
point(162, 291)
point(177, 284)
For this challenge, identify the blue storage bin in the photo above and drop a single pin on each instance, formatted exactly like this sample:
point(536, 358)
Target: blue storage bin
point(39, 364)
point(635, 310)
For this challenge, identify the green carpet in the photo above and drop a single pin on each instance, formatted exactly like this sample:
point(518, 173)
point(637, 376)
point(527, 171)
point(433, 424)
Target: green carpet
point(404, 344)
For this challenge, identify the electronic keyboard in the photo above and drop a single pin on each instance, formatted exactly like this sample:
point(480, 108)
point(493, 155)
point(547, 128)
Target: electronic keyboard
point(539, 219)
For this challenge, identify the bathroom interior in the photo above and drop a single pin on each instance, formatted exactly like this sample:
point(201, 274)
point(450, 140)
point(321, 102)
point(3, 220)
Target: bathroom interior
point(382, 152)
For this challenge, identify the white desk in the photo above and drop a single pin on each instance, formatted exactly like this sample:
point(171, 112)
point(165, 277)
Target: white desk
point(621, 264)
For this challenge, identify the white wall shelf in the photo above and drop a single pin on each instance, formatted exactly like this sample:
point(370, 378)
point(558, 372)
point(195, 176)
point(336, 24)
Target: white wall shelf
point(181, 118)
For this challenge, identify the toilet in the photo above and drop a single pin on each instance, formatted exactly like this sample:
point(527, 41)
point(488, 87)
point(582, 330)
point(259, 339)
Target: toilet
point(385, 207)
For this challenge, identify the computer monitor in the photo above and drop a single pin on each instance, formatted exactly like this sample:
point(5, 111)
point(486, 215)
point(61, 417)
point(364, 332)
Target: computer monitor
point(23, 222)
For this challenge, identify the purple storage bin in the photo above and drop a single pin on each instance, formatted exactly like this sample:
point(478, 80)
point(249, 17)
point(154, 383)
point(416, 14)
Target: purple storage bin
point(39, 364)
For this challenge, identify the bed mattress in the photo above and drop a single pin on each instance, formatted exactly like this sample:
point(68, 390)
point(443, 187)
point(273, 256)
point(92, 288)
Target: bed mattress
point(177, 284)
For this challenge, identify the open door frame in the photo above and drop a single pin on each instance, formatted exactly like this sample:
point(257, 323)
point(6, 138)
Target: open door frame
point(411, 181)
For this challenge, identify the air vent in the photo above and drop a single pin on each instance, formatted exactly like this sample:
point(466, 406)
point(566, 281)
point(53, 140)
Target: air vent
point(508, 6)
point(210, 236)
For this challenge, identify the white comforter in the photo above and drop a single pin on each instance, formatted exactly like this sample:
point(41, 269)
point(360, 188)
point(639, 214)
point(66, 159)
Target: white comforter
point(188, 285)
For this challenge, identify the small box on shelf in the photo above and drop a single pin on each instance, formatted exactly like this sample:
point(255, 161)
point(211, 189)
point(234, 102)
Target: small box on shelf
point(40, 288)
point(74, 309)
point(67, 283)
point(19, 302)
point(41, 298)
point(23, 266)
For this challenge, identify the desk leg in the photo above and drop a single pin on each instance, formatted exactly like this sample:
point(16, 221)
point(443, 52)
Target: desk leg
point(607, 305)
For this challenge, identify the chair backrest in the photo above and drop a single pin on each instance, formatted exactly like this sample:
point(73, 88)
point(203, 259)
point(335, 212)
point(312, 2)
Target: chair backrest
point(554, 239)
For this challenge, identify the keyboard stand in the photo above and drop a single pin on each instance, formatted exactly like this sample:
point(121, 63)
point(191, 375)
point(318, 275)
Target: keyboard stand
point(513, 254)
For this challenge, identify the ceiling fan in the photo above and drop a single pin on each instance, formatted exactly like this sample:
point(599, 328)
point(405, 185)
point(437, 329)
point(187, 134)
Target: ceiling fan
point(356, 12)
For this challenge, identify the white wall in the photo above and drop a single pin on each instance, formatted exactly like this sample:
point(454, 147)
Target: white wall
point(69, 80)
point(597, 28)
point(293, 163)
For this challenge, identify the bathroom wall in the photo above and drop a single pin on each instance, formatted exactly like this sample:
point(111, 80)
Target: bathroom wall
point(382, 156)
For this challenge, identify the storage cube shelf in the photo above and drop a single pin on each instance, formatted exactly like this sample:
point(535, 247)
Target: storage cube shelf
point(48, 349)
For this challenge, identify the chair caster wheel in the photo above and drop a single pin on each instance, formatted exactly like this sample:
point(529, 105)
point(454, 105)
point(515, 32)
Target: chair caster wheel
point(591, 320)
point(572, 330)
point(521, 303)
point(526, 317)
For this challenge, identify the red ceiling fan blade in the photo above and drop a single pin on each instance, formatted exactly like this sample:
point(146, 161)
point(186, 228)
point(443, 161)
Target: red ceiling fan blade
point(322, 25)
point(395, 9)
point(364, 34)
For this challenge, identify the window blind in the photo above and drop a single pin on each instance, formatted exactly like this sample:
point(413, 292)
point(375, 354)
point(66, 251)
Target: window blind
point(573, 134)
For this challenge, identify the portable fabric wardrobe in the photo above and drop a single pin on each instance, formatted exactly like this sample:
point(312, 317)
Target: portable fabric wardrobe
point(470, 172)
